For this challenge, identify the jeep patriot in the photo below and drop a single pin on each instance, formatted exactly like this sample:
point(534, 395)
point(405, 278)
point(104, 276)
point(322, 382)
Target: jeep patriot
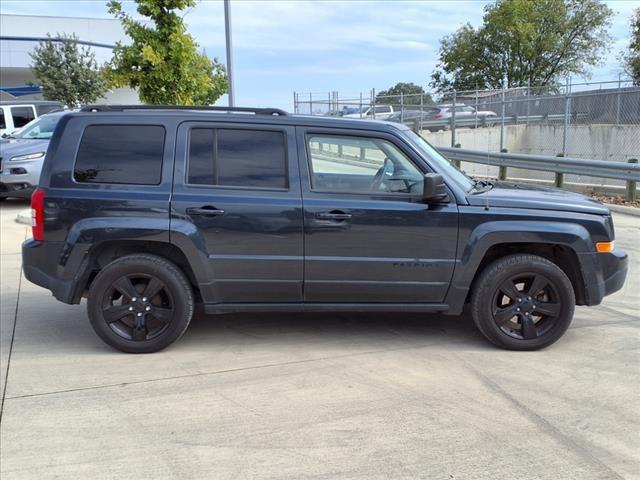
point(147, 210)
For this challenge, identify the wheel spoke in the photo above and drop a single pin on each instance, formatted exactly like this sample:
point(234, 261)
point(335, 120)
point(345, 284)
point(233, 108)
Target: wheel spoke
point(538, 283)
point(510, 290)
point(548, 309)
point(528, 327)
point(152, 288)
point(115, 313)
point(503, 315)
point(162, 314)
point(124, 286)
point(139, 333)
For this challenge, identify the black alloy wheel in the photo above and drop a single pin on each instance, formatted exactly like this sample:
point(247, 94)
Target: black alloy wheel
point(138, 307)
point(526, 307)
point(140, 303)
point(522, 302)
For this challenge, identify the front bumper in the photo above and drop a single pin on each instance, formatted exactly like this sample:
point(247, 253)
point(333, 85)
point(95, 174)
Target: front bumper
point(17, 190)
point(19, 179)
point(603, 273)
point(615, 267)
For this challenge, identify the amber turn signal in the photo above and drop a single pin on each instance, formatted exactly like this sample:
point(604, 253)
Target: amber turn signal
point(604, 247)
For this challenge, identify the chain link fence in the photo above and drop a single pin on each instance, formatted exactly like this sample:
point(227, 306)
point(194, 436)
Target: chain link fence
point(588, 120)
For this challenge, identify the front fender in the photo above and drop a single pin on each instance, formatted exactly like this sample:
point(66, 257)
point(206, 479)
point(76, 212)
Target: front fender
point(489, 234)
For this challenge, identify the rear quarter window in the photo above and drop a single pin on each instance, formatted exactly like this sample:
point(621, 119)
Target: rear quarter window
point(120, 154)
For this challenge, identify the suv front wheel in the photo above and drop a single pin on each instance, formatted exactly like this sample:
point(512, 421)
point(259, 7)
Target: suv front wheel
point(522, 302)
point(140, 303)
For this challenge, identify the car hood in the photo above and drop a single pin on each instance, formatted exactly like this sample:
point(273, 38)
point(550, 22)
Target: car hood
point(13, 147)
point(514, 195)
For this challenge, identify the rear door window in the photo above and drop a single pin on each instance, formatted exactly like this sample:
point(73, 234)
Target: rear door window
point(3, 124)
point(22, 116)
point(121, 154)
point(237, 158)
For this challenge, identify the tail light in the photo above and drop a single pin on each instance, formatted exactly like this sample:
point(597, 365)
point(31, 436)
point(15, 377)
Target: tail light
point(37, 214)
point(438, 116)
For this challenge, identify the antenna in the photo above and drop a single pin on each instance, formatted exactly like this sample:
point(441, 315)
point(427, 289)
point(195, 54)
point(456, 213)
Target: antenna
point(486, 194)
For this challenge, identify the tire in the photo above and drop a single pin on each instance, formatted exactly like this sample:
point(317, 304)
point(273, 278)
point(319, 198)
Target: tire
point(140, 303)
point(522, 302)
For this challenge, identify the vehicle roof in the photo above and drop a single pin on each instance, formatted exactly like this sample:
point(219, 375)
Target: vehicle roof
point(29, 102)
point(288, 119)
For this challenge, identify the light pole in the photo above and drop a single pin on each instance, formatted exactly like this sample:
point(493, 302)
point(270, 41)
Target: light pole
point(227, 31)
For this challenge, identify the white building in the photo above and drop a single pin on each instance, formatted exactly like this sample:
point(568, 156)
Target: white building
point(19, 34)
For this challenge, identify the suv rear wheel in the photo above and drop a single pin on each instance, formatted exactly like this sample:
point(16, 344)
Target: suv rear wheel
point(140, 303)
point(523, 302)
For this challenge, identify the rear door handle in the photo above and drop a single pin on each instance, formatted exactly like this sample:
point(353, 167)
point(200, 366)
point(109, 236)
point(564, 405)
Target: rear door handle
point(206, 210)
point(333, 215)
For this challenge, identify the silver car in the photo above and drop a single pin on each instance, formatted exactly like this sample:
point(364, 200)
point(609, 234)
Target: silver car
point(22, 154)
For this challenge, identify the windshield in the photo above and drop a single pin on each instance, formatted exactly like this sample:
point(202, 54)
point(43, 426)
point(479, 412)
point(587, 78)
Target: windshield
point(39, 129)
point(440, 162)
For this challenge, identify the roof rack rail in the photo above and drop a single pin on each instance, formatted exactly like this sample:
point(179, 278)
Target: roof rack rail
point(123, 108)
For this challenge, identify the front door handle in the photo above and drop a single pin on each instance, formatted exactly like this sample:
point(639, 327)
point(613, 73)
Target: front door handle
point(206, 210)
point(337, 215)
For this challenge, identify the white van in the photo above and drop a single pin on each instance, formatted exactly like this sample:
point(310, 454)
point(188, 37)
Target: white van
point(15, 115)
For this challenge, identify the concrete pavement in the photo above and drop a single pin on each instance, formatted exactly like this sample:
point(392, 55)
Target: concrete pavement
point(316, 396)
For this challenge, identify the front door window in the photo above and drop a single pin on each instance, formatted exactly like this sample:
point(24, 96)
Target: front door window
point(360, 165)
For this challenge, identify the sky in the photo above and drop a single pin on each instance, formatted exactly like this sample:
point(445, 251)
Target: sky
point(322, 46)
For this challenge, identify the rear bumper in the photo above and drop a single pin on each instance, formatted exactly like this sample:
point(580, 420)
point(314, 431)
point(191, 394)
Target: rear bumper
point(40, 266)
point(604, 274)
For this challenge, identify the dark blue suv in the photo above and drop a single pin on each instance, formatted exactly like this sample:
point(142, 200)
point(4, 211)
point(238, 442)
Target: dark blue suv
point(147, 211)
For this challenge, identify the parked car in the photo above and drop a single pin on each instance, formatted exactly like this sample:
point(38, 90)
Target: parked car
point(445, 111)
point(346, 110)
point(413, 118)
point(15, 115)
point(465, 116)
point(22, 154)
point(147, 210)
point(379, 112)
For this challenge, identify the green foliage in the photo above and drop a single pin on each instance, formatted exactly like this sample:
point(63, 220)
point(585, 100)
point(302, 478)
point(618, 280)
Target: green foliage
point(631, 58)
point(68, 72)
point(392, 95)
point(163, 63)
point(525, 42)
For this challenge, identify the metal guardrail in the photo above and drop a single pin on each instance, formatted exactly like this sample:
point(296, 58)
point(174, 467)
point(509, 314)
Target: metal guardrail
point(576, 166)
point(488, 121)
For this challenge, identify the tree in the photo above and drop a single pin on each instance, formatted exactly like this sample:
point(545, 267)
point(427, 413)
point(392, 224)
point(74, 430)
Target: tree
point(631, 58)
point(524, 42)
point(67, 71)
point(162, 63)
point(410, 91)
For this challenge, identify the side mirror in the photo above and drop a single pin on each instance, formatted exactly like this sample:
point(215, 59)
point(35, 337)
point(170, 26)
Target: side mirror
point(434, 189)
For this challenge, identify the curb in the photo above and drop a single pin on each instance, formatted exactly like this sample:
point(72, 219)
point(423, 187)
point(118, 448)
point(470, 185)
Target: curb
point(634, 211)
point(24, 217)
